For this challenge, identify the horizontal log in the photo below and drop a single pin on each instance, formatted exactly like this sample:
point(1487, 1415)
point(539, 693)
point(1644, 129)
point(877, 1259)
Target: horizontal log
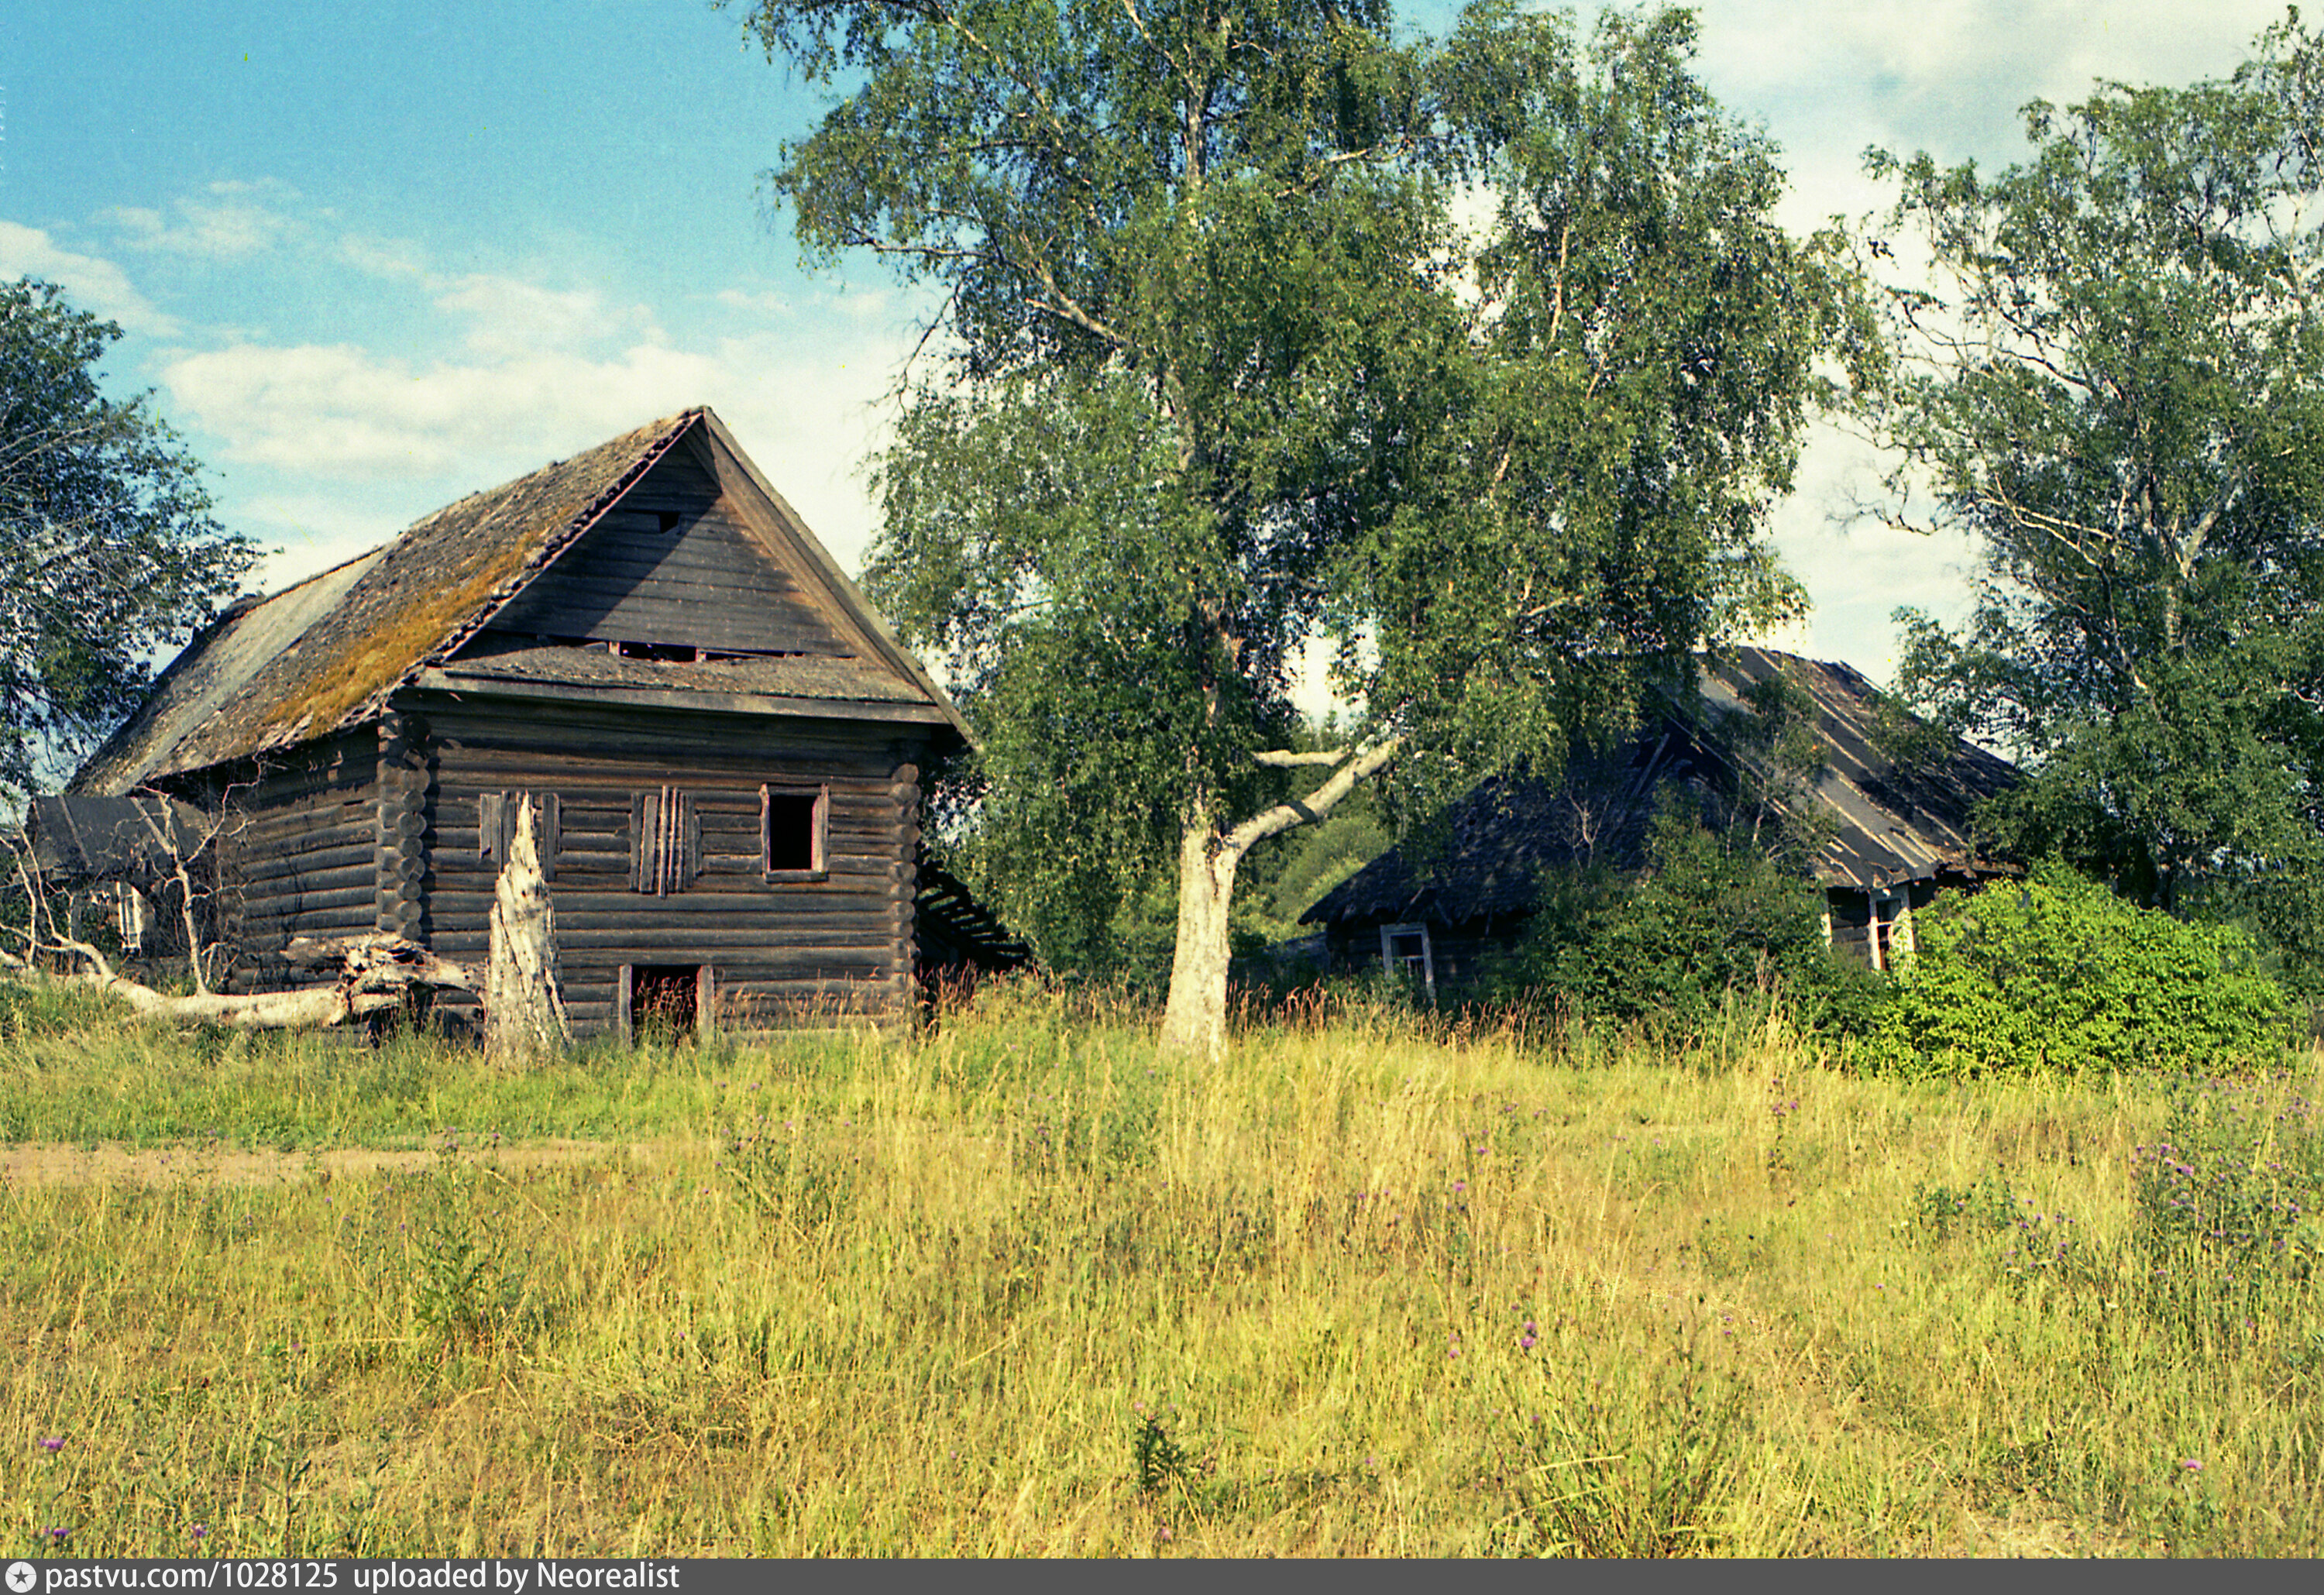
point(543, 747)
point(285, 904)
point(296, 883)
point(281, 786)
point(265, 869)
point(263, 930)
point(811, 900)
point(852, 960)
point(340, 822)
point(601, 790)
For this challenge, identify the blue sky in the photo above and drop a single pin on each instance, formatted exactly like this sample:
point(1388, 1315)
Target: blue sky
point(371, 259)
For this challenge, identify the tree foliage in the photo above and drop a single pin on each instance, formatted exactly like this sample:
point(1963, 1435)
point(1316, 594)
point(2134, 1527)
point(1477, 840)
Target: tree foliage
point(1260, 324)
point(2119, 391)
point(107, 550)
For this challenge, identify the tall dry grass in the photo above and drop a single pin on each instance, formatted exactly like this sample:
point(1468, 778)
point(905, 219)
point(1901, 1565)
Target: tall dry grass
point(1362, 1287)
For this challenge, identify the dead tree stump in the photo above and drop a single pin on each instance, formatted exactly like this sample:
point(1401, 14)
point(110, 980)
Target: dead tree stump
point(524, 1010)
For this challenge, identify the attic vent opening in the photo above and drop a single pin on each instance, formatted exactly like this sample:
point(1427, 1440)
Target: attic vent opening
point(683, 653)
point(667, 521)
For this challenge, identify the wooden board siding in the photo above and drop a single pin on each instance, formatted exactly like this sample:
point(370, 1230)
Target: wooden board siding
point(298, 856)
point(783, 951)
point(703, 582)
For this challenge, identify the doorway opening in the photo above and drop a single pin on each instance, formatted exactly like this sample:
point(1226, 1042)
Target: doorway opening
point(665, 1002)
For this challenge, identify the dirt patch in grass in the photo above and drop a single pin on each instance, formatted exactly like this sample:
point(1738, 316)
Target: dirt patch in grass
point(35, 1164)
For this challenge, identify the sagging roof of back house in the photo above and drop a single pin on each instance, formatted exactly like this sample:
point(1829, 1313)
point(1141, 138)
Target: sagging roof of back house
point(329, 653)
point(138, 839)
point(1892, 819)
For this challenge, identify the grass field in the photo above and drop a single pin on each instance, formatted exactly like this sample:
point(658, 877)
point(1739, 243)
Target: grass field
point(1018, 1288)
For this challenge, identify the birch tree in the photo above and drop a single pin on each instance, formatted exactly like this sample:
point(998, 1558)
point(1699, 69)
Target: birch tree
point(2116, 382)
point(1260, 323)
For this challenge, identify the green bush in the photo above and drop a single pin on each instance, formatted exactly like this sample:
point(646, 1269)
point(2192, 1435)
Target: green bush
point(2057, 973)
point(1712, 919)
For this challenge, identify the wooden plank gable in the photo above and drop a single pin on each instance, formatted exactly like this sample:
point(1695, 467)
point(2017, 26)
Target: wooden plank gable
point(675, 564)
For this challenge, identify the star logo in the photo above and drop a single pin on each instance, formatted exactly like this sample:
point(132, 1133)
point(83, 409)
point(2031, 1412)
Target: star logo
point(21, 1578)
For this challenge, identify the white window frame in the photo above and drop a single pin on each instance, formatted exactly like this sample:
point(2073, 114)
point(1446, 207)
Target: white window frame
point(1391, 963)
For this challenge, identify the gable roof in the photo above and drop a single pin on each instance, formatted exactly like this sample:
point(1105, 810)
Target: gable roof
point(328, 653)
point(1892, 819)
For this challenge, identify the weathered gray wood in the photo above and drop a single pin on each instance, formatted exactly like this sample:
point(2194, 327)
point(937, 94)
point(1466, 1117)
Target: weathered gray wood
point(305, 868)
point(524, 1011)
point(614, 583)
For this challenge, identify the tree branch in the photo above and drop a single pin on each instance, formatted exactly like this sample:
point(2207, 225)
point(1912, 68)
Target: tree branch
point(1316, 805)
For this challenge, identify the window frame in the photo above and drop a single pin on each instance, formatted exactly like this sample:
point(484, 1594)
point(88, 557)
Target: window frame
point(1393, 965)
point(819, 836)
point(496, 814)
point(705, 1000)
point(665, 842)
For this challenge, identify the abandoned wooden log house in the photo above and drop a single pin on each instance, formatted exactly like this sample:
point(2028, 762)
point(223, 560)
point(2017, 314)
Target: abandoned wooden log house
point(1892, 797)
point(724, 742)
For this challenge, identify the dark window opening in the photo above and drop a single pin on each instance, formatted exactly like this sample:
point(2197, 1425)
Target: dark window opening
point(667, 521)
point(794, 831)
point(665, 1001)
point(1406, 950)
point(683, 653)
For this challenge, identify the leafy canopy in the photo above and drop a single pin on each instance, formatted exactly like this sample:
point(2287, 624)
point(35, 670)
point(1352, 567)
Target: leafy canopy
point(1263, 325)
point(107, 550)
point(2119, 390)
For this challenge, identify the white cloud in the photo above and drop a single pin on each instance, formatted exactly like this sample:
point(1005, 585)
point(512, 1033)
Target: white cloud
point(394, 259)
point(93, 283)
point(337, 416)
point(757, 304)
point(510, 317)
point(233, 221)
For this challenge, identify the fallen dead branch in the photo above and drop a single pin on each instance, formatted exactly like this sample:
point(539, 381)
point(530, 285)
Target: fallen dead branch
point(375, 974)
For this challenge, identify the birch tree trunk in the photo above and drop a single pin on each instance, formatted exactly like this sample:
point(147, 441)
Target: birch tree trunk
point(524, 1010)
point(1194, 1020)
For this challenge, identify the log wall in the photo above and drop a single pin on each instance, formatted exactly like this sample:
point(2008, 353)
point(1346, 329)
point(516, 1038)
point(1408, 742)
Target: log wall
point(782, 951)
point(673, 564)
point(297, 854)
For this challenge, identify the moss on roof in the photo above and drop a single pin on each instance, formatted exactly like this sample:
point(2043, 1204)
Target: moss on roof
point(419, 598)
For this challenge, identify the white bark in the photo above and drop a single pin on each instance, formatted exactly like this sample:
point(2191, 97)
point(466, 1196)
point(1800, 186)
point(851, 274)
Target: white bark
point(524, 1011)
point(1195, 1018)
point(375, 974)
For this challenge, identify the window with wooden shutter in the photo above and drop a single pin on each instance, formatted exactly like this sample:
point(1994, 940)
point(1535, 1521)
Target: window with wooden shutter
point(496, 814)
point(665, 842)
point(794, 831)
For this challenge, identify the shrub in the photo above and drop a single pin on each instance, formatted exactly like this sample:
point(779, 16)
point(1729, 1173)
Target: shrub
point(2059, 973)
point(1714, 918)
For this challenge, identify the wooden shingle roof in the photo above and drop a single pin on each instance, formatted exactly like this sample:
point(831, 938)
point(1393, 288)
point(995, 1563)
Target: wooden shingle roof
point(1890, 820)
point(329, 653)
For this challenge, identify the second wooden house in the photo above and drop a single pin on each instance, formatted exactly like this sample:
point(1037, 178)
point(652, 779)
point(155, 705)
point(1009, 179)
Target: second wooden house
point(1895, 801)
point(724, 742)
